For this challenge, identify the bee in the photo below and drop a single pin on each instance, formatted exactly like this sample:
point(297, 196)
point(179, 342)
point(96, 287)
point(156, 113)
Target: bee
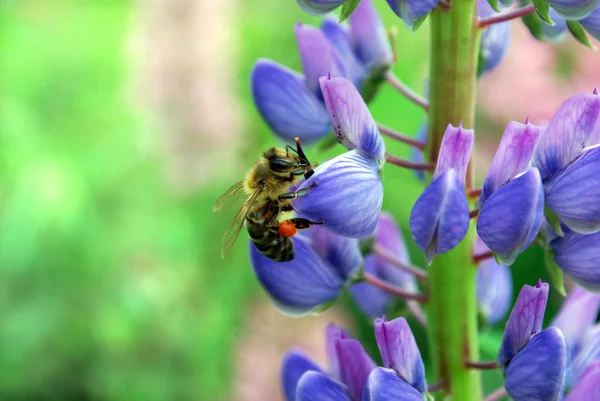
point(267, 186)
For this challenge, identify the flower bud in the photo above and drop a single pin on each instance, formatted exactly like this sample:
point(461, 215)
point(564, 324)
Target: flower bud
point(340, 38)
point(525, 320)
point(399, 351)
point(354, 364)
point(317, 386)
point(295, 364)
point(384, 385)
point(353, 124)
point(539, 372)
point(494, 290)
point(573, 9)
point(411, 11)
point(319, 7)
point(588, 354)
point(494, 40)
point(369, 36)
point(577, 255)
point(587, 388)
point(591, 23)
point(348, 198)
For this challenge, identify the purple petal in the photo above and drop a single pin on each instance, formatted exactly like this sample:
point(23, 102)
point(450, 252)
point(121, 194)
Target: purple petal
point(410, 11)
point(591, 23)
point(573, 9)
point(332, 334)
point(587, 388)
point(353, 124)
point(494, 290)
point(494, 40)
point(371, 300)
point(574, 195)
point(577, 314)
point(295, 364)
point(349, 196)
point(286, 104)
point(455, 152)
point(318, 55)
point(369, 37)
point(384, 385)
point(439, 219)
point(588, 354)
point(317, 386)
point(319, 7)
point(525, 320)
point(298, 286)
point(578, 255)
point(540, 371)
point(512, 157)
point(573, 127)
point(511, 218)
point(342, 253)
point(340, 38)
point(399, 351)
point(355, 365)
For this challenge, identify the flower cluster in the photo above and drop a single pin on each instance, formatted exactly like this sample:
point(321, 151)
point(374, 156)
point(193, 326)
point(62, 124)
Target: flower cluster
point(586, 12)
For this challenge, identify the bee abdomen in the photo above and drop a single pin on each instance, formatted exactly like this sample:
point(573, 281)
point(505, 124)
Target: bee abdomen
point(270, 243)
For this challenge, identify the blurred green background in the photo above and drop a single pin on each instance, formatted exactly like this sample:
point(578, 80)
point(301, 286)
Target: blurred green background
point(121, 123)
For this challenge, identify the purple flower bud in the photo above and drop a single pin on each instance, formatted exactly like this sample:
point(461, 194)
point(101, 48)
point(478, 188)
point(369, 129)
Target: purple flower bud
point(369, 36)
point(384, 385)
point(578, 256)
point(341, 41)
point(317, 386)
point(540, 371)
point(588, 354)
point(286, 104)
point(573, 9)
point(349, 196)
point(319, 7)
point(372, 300)
point(295, 364)
point(455, 152)
point(353, 124)
point(574, 195)
point(525, 320)
point(399, 351)
point(512, 216)
point(319, 57)
point(300, 285)
point(332, 334)
point(591, 23)
point(494, 290)
point(439, 219)
point(354, 364)
point(558, 31)
point(574, 126)
point(587, 388)
point(577, 314)
point(494, 40)
point(410, 11)
point(342, 253)
point(512, 157)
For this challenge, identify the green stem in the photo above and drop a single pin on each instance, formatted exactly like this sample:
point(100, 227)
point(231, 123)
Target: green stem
point(452, 318)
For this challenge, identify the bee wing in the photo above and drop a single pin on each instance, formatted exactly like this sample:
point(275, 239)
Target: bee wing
point(230, 193)
point(237, 223)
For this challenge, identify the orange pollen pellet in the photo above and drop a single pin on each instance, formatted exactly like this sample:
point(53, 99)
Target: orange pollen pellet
point(287, 229)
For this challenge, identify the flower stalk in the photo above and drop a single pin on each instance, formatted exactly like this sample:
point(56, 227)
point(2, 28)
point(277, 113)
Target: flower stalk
point(405, 91)
point(389, 256)
point(455, 36)
point(507, 16)
point(409, 164)
point(392, 289)
point(400, 137)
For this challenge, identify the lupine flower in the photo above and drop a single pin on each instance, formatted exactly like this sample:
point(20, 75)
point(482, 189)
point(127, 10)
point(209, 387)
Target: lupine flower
point(558, 31)
point(577, 255)
point(323, 265)
point(353, 124)
point(587, 388)
point(591, 23)
point(292, 104)
point(372, 300)
point(573, 9)
point(494, 40)
point(588, 353)
point(319, 7)
point(348, 197)
point(399, 351)
point(512, 198)
point(440, 218)
point(577, 314)
point(349, 364)
point(412, 11)
point(535, 361)
point(494, 287)
point(384, 385)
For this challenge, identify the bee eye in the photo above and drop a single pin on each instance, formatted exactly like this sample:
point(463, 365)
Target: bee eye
point(281, 165)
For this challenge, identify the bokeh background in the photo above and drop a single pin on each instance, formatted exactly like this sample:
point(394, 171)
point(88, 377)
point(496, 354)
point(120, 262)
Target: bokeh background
point(120, 124)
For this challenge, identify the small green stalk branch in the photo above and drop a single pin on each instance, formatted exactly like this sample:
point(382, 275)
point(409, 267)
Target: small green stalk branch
point(452, 304)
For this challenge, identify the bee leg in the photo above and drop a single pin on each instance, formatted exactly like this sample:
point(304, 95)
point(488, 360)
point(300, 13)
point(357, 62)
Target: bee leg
point(297, 194)
point(286, 208)
point(302, 224)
